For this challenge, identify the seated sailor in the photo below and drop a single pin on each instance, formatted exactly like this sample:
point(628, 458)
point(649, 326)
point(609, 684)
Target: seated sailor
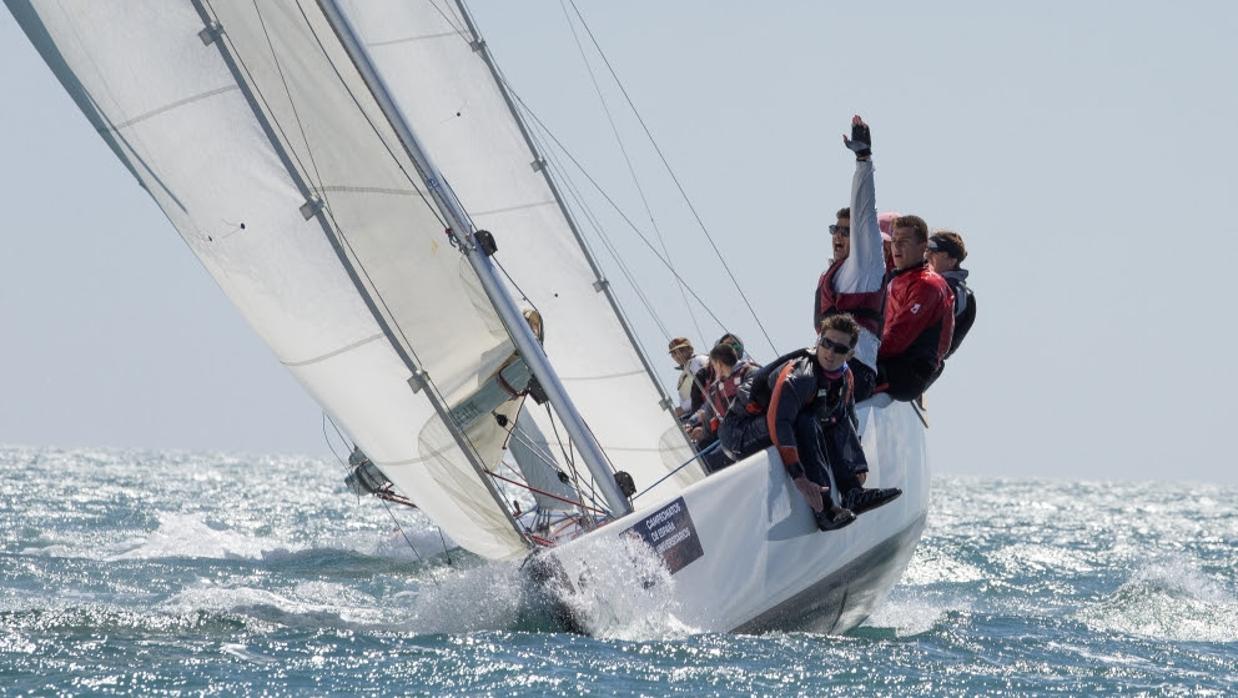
point(689, 363)
point(778, 405)
point(729, 371)
point(835, 410)
point(919, 317)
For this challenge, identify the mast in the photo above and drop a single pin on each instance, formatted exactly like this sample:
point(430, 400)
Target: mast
point(313, 208)
point(465, 235)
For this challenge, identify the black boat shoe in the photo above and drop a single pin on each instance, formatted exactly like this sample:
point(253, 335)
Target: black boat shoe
point(860, 500)
point(828, 520)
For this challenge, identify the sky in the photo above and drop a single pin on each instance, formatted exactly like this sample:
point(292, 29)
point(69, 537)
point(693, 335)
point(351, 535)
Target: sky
point(1086, 153)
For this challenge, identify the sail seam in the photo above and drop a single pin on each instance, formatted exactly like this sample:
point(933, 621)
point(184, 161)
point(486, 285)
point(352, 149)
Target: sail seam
point(347, 189)
point(168, 107)
point(337, 352)
point(509, 209)
point(605, 377)
point(410, 39)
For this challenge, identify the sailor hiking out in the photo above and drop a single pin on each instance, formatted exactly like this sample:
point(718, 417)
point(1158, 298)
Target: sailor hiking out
point(919, 316)
point(803, 404)
point(946, 253)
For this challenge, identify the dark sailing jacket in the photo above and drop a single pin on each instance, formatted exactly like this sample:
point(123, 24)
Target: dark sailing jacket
point(964, 306)
point(791, 384)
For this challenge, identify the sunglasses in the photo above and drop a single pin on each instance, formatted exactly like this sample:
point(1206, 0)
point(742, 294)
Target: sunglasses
point(836, 347)
point(843, 230)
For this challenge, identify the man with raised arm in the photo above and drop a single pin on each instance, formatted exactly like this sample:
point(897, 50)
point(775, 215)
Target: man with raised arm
point(855, 281)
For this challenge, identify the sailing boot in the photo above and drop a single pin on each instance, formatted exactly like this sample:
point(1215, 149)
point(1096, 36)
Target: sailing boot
point(833, 519)
point(860, 499)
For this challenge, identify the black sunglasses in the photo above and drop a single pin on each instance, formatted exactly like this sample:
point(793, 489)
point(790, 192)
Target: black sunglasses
point(843, 230)
point(836, 347)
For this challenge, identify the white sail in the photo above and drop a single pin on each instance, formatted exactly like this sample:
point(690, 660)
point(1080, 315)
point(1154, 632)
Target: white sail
point(227, 138)
point(445, 89)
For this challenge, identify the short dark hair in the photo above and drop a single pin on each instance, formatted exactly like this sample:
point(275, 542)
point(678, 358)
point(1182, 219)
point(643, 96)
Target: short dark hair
point(844, 212)
point(842, 322)
point(915, 222)
point(954, 243)
point(724, 354)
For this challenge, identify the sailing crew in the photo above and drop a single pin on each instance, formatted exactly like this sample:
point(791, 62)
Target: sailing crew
point(946, 253)
point(919, 317)
point(689, 364)
point(729, 371)
point(787, 402)
point(854, 283)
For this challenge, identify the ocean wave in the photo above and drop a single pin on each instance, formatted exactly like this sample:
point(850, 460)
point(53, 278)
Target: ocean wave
point(1170, 598)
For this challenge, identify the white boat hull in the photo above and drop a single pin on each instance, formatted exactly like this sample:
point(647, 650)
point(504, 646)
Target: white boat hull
point(741, 551)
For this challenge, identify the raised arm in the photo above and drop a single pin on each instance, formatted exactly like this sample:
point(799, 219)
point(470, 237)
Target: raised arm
point(865, 268)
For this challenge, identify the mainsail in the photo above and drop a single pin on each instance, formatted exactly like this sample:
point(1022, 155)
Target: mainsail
point(251, 129)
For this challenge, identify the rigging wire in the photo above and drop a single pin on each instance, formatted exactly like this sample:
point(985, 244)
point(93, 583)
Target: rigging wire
point(544, 456)
point(291, 102)
point(579, 482)
point(614, 129)
point(559, 174)
point(569, 185)
point(673, 176)
point(619, 211)
point(325, 420)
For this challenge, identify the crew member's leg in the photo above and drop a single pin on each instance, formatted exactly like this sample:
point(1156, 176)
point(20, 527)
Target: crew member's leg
point(845, 455)
point(846, 459)
point(812, 458)
point(904, 378)
point(865, 379)
point(743, 435)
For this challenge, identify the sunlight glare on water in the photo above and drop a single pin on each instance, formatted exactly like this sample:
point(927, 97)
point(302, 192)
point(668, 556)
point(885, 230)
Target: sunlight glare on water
point(167, 572)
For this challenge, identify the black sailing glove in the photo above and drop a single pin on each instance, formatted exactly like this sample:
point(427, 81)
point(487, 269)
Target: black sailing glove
point(861, 141)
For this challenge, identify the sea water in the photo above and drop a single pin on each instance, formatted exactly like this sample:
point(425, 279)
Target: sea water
point(169, 573)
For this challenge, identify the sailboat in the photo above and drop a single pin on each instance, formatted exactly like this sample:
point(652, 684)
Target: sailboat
point(358, 179)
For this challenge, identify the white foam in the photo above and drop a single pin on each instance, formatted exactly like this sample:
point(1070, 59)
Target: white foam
point(318, 603)
point(188, 535)
point(622, 592)
point(488, 597)
point(1169, 598)
point(912, 616)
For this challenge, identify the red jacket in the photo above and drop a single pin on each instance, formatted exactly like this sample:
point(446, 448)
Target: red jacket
point(919, 317)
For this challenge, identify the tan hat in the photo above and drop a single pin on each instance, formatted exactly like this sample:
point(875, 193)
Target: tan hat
point(679, 343)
